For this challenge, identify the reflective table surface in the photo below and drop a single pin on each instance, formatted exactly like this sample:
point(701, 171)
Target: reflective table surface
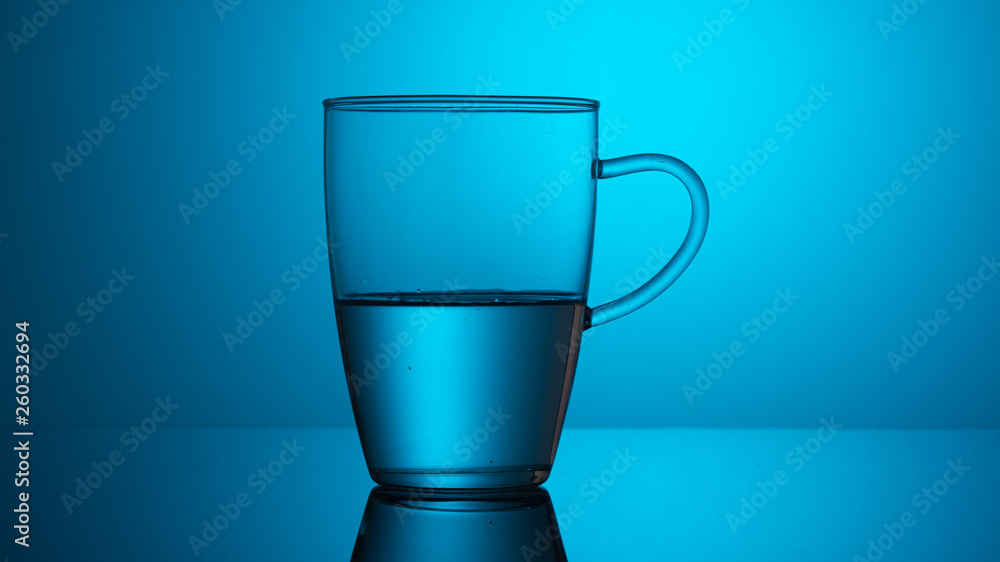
point(825, 493)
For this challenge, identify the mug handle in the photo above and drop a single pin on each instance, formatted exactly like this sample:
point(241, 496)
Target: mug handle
point(651, 289)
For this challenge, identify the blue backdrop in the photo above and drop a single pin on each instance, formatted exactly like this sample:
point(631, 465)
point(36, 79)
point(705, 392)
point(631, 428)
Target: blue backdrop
point(162, 173)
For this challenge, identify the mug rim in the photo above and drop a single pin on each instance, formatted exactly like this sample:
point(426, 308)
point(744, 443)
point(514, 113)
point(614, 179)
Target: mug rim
point(462, 103)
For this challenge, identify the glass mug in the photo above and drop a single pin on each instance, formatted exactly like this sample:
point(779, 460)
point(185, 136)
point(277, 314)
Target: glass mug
point(463, 238)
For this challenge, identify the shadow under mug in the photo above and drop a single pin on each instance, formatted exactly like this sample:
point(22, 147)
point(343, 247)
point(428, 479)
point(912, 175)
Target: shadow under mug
point(461, 234)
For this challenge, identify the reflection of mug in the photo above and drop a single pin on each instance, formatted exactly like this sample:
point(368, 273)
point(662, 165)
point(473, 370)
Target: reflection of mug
point(442, 526)
point(460, 275)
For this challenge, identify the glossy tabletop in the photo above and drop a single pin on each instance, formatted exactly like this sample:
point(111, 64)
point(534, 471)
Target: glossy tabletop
point(617, 494)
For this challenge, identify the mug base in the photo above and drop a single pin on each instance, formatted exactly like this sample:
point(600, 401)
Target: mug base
point(476, 479)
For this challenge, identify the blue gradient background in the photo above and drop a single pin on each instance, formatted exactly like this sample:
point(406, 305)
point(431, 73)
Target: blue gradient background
point(162, 336)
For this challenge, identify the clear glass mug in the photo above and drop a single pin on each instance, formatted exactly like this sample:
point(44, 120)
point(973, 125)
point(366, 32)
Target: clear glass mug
point(460, 274)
